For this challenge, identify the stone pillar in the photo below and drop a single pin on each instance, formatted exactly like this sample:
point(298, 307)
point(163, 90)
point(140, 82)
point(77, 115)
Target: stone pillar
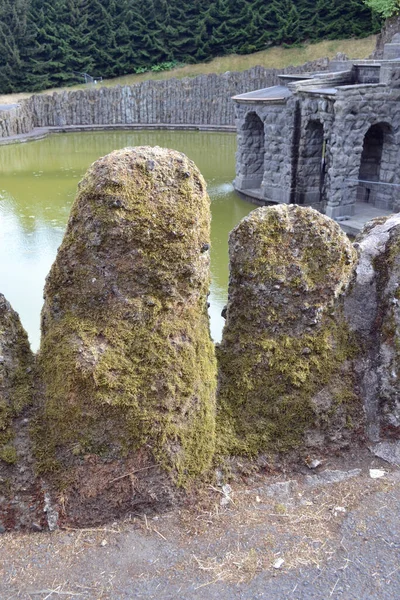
point(126, 355)
point(284, 361)
point(372, 309)
point(16, 362)
point(19, 502)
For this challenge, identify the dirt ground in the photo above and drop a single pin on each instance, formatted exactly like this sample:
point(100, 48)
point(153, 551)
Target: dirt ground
point(330, 532)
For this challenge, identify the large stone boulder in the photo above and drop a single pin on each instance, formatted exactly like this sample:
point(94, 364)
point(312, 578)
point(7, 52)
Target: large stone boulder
point(372, 309)
point(16, 391)
point(126, 355)
point(285, 375)
point(17, 478)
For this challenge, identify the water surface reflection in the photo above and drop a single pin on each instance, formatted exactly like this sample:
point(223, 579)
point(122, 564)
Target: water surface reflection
point(38, 183)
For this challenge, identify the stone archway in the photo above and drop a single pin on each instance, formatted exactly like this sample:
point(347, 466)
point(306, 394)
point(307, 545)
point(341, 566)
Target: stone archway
point(377, 167)
point(311, 167)
point(251, 153)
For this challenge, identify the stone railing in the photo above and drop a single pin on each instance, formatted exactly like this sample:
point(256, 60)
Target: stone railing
point(125, 379)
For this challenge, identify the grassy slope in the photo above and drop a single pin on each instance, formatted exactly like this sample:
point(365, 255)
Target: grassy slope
point(277, 57)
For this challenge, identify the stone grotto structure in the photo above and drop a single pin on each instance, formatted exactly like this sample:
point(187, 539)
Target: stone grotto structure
point(330, 140)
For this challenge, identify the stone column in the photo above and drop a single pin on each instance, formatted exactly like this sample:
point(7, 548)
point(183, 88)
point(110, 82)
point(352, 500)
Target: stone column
point(372, 309)
point(19, 499)
point(126, 355)
point(285, 380)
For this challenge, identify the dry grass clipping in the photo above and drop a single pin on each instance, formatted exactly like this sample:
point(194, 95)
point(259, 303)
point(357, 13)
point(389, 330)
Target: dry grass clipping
point(306, 534)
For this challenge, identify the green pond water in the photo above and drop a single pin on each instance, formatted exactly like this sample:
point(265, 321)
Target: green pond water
point(38, 182)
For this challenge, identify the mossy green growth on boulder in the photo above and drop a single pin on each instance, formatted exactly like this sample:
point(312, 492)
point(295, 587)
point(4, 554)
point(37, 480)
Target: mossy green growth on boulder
point(126, 355)
point(284, 361)
point(16, 369)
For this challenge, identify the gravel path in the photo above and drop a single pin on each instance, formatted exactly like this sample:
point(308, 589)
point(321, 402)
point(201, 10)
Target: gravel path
point(338, 533)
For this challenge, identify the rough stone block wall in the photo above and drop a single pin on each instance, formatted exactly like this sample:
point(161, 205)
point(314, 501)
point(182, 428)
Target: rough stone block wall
point(278, 136)
point(277, 121)
point(356, 110)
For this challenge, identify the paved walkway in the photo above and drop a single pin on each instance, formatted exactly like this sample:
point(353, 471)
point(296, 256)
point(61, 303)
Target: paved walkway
point(335, 541)
point(363, 213)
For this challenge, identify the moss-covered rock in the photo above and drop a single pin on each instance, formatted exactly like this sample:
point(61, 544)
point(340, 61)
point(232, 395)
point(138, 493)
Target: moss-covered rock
point(16, 364)
point(19, 504)
point(372, 309)
point(126, 355)
point(284, 362)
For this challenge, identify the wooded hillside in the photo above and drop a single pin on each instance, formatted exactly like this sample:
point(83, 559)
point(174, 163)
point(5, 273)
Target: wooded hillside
point(46, 43)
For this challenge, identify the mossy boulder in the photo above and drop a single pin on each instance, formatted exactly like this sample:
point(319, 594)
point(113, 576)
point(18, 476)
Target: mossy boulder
point(285, 376)
point(126, 355)
point(16, 369)
point(372, 309)
point(19, 506)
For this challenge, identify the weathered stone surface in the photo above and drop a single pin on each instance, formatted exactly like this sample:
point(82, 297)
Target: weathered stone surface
point(387, 450)
point(16, 361)
point(18, 502)
point(372, 309)
point(126, 355)
point(389, 31)
point(285, 378)
point(16, 120)
point(329, 477)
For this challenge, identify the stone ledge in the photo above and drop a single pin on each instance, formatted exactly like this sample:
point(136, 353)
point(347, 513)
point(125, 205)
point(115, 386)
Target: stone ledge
point(39, 133)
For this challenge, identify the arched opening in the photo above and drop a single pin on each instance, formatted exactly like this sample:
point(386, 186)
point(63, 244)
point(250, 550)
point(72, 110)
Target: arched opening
point(311, 167)
point(377, 167)
point(252, 150)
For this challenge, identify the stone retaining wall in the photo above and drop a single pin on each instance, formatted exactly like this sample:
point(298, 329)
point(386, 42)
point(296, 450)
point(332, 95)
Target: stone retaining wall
point(16, 120)
point(203, 100)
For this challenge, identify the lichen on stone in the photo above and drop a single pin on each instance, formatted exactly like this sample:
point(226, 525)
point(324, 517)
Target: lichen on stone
point(126, 355)
point(285, 340)
point(16, 370)
point(373, 313)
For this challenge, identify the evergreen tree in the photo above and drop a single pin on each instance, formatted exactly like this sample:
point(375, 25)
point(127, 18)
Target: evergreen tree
point(13, 26)
point(288, 23)
point(74, 17)
point(45, 43)
point(100, 24)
